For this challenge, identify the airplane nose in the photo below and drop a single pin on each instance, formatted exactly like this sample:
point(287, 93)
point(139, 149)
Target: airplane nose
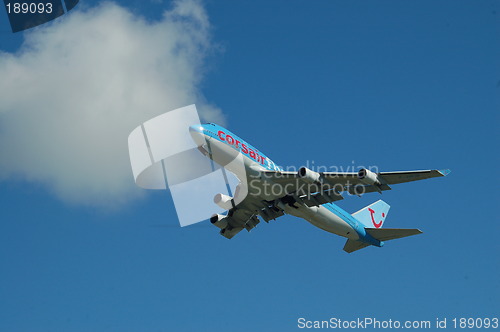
point(197, 135)
point(195, 129)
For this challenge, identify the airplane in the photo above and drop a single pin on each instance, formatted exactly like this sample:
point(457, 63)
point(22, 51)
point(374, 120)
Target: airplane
point(268, 191)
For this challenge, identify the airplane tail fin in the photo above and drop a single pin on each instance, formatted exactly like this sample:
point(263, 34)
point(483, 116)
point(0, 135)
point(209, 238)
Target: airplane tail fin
point(373, 215)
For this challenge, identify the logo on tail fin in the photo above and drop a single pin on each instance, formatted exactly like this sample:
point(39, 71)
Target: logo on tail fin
point(372, 213)
point(373, 216)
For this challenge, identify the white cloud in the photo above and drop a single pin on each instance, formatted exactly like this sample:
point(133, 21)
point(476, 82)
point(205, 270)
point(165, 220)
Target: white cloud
point(76, 88)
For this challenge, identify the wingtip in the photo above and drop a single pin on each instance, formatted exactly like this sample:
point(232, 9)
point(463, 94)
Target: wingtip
point(444, 172)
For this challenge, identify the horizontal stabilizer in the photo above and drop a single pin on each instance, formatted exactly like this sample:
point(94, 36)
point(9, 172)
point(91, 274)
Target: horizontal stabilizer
point(385, 234)
point(353, 245)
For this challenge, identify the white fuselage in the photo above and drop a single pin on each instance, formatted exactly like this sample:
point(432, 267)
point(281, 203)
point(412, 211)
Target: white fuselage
point(323, 218)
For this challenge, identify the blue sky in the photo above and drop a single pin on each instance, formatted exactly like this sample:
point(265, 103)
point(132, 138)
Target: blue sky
point(399, 85)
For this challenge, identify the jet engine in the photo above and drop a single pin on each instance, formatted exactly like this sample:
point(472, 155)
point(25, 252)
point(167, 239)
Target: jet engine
point(368, 177)
point(224, 201)
point(308, 175)
point(219, 220)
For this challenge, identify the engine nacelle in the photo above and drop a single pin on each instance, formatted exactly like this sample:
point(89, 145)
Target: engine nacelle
point(224, 201)
point(368, 177)
point(308, 175)
point(219, 220)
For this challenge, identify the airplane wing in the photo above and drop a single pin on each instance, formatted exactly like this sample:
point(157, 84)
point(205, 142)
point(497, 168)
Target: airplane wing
point(357, 183)
point(408, 176)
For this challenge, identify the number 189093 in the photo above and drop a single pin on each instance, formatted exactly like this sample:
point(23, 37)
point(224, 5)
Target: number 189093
point(29, 8)
point(475, 323)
